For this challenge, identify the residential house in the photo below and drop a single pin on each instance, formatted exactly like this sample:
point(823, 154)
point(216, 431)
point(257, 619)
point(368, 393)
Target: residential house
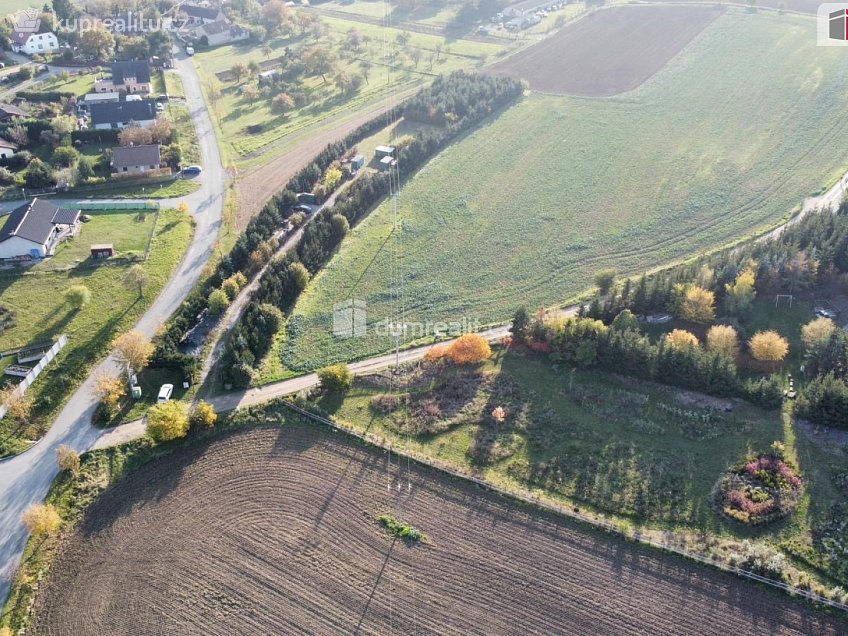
point(7, 148)
point(8, 111)
point(136, 159)
point(35, 228)
point(122, 114)
point(218, 33)
point(34, 43)
point(197, 14)
point(127, 77)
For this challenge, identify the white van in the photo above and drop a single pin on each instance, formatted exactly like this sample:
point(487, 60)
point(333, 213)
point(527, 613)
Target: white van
point(134, 98)
point(165, 393)
point(190, 50)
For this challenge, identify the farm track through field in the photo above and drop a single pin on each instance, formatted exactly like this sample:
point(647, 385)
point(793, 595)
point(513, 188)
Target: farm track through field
point(274, 531)
point(257, 186)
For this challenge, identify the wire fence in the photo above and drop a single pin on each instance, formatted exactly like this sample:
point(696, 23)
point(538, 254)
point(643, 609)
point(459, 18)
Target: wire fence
point(569, 512)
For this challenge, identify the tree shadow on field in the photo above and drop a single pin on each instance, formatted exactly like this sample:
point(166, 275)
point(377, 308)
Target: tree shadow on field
point(376, 585)
point(150, 483)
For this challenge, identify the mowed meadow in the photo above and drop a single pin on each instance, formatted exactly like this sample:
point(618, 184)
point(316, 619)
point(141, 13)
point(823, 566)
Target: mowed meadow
point(726, 141)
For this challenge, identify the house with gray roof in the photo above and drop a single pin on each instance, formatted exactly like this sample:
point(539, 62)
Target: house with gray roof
point(136, 159)
point(35, 228)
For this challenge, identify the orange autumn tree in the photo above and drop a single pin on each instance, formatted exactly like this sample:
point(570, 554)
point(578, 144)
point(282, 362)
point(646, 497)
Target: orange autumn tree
point(472, 348)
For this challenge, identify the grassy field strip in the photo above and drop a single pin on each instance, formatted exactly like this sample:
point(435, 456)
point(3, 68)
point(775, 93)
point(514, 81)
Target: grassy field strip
point(632, 182)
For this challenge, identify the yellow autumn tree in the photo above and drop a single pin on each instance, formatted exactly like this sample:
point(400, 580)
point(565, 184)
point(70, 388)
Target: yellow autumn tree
point(680, 340)
point(41, 519)
point(697, 305)
point(769, 346)
point(471, 348)
point(133, 349)
point(204, 414)
point(109, 390)
point(723, 339)
point(817, 330)
point(168, 421)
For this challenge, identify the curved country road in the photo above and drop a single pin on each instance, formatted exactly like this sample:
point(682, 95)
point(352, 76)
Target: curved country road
point(26, 478)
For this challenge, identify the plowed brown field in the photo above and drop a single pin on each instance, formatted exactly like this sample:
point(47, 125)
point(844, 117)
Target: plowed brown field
point(610, 51)
point(273, 531)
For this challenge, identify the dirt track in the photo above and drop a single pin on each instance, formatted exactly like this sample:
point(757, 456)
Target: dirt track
point(273, 531)
point(608, 52)
point(258, 185)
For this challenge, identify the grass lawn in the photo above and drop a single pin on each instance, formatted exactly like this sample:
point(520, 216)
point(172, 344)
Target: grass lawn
point(627, 450)
point(76, 83)
point(37, 297)
point(164, 190)
point(186, 133)
point(127, 231)
point(528, 207)
point(253, 131)
point(173, 84)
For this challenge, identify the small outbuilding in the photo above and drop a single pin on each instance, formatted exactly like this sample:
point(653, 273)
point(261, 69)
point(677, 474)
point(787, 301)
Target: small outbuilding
point(357, 162)
point(100, 251)
point(387, 162)
point(307, 198)
point(385, 151)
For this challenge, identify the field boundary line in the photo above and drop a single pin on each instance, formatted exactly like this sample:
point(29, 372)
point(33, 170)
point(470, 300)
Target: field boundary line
point(573, 514)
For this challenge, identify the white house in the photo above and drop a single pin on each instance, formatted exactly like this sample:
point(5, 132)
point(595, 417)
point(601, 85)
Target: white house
point(34, 229)
point(136, 159)
point(7, 148)
point(117, 115)
point(220, 32)
point(34, 43)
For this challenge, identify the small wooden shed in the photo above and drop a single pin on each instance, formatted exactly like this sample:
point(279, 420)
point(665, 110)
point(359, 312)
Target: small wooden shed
point(102, 250)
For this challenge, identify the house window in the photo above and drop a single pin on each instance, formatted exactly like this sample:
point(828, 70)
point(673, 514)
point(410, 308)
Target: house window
point(125, 168)
point(151, 167)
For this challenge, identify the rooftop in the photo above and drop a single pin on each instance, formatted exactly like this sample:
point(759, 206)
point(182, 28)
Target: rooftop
point(130, 156)
point(139, 69)
point(118, 112)
point(34, 221)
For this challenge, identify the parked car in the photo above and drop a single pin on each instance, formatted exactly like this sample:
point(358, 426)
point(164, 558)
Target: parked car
point(165, 393)
point(133, 98)
point(190, 50)
point(163, 98)
point(825, 313)
point(160, 108)
point(192, 170)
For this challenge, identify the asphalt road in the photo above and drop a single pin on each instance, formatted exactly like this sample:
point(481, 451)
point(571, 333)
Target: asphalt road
point(25, 479)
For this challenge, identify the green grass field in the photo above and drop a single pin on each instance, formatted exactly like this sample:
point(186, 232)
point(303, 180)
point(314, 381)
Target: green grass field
point(724, 142)
point(41, 313)
point(627, 450)
point(234, 113)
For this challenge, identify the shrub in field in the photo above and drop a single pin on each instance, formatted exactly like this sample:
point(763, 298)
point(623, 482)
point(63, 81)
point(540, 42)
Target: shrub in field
point(400, 529)
point(68, 459)
point(204, 415)
point(762, 489)
point(41, 519)
point(109, 390)
point(760, 559)
point(471, 348)
point(337, 378)
point(825, 401)
point(434, 354)
point(218, 302)
point(167, 421)
point(77, 296)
